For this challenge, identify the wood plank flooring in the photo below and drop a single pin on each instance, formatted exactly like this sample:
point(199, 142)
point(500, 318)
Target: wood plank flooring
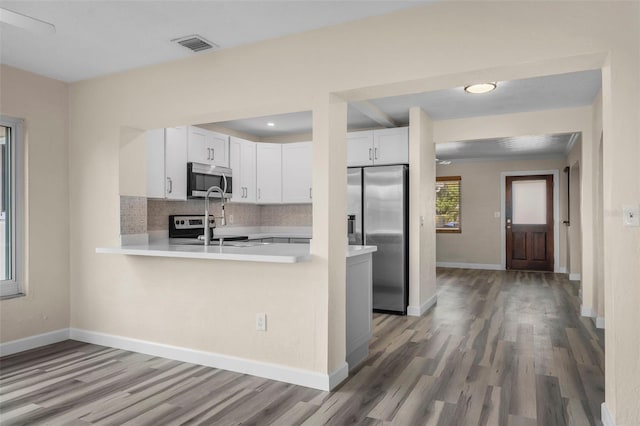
point(500, 348)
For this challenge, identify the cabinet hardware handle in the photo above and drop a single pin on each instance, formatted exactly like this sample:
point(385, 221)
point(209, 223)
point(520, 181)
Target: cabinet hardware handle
point(244, 192)
point(259, 194)
point(213, 153)
point(310, 193)
point(370, 156)
point(375, 155)
point(208, 153)
point(170, 182)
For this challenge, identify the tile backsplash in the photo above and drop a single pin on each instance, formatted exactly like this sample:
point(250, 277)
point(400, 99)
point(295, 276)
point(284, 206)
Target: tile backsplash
point(139, 215)
point(286, 215)
point(133, 215)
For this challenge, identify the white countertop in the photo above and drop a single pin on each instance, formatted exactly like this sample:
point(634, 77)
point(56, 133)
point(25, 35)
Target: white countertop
point(252, 252)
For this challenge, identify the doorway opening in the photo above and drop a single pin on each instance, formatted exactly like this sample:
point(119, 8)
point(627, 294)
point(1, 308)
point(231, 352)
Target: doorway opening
point(530, 212)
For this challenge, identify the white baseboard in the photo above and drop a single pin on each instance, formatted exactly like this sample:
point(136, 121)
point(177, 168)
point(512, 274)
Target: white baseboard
point(587, 311)
point(267, 370)
point(574, 277)
point(487, 266)
point(599, 322)
point(607, 417)
point(418, 311)
point(32, 342)
point(560, 270)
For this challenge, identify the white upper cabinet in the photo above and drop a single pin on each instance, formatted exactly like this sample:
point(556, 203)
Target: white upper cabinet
point(167, 163)
point(391, 146)
point(207, 147)
point(176, 163)
point(378, 147)
point(360, 148)
point(242, 160)
point(296, 172)
point(155, 149)
point(269, 173)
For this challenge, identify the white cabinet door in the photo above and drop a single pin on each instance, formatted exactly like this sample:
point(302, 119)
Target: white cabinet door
point(176, 163)
point(208, 147)
point(269, 173)
point(296, 172)
point(197, 146)
point(219, 146)
point(242, 159)
point(360, 148)
point(154, 140)
point(391, 146)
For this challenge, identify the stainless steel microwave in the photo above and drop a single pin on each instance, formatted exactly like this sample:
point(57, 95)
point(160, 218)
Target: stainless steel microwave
point(201, 177)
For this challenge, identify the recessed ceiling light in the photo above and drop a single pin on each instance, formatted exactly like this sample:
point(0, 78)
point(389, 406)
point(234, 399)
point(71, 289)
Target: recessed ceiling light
point(271, 124)
point(480, 87)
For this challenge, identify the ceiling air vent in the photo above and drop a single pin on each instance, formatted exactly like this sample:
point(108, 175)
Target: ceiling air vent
point(195, 43)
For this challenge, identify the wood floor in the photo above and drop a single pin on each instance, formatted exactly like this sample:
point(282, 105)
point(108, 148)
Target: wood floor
point(500, 348)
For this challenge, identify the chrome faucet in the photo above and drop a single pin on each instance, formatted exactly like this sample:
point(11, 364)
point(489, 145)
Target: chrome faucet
point(223, 220)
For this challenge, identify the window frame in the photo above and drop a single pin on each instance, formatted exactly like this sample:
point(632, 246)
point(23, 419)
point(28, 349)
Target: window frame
point(13, 287)
point(457, 230)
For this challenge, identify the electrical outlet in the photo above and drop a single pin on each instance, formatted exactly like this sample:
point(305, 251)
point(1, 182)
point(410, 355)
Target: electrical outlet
point(630, 215)
point(261, 322)
point(496, 215)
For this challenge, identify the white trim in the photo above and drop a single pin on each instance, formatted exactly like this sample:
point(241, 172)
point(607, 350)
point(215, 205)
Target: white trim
point(32, 342)
point(337, 376)
point(415, 311)
point(607, 417)
point(587, 311)
point(487, 266)
point(296, 376)
point(556, 214)
point(561, 270)
point(574, 277)
point(14, 286)
point(599, 322)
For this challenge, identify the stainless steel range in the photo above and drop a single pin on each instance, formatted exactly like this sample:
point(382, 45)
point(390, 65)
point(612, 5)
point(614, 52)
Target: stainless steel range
point(189, 229)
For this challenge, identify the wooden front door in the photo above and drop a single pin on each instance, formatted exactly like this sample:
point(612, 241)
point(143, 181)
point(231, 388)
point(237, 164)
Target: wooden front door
point(529, 222)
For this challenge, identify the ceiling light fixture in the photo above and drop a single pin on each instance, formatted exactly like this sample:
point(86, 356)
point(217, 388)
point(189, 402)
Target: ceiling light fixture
point(480, 87)
point(271, 124)
point(26, 22)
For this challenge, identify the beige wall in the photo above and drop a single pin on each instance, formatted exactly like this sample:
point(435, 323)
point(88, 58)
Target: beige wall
point(42, 103)
point(480, 239)
point(430, 47)
point(574, 231)
point(598, 263)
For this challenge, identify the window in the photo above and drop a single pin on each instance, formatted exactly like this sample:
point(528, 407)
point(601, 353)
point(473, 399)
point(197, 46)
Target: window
point(10, 205)
point(448, 204)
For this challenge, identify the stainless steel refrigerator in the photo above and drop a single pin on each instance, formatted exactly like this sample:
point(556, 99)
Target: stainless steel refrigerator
point(378, 197)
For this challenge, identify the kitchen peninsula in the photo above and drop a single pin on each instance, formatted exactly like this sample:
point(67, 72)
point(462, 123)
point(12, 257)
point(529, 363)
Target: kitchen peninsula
point(243, 251)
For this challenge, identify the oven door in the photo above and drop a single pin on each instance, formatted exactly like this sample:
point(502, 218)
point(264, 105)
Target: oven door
point(201, 177)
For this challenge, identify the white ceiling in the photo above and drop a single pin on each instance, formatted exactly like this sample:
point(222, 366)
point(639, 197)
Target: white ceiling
point(95, 38)
point(512, 148)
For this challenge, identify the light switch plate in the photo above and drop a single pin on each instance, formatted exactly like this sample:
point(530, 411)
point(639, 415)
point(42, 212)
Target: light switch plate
point(631, 215)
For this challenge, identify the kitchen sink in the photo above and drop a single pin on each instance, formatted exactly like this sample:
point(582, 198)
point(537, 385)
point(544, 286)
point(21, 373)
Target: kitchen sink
point(243, 243)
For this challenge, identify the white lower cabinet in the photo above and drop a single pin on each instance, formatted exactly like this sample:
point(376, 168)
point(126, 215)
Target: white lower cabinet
point(167, 163)
point(296, 172)
point(359, 306)
point(269, 173)
point(242, 160)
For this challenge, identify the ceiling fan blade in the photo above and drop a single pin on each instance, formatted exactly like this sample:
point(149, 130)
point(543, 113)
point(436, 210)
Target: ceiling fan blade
point(26, 22)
